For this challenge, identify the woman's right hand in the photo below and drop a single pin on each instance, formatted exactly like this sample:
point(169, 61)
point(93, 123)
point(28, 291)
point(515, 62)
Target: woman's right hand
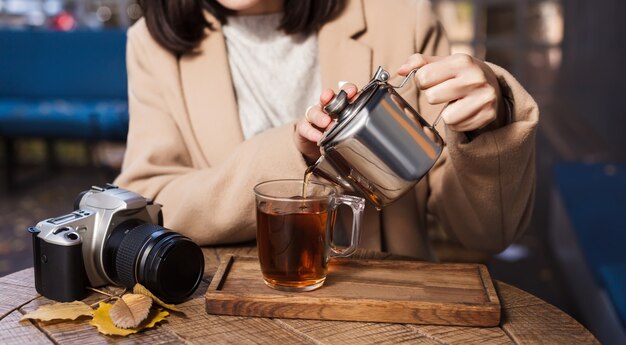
point(309, 129)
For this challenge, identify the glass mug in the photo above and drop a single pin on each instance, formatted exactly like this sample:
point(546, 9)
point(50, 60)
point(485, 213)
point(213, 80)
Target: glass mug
point(294, 231)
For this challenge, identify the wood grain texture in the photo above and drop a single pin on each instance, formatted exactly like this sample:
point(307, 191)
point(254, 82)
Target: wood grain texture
point(247, 249)
point(527, 319)
point(349, 332)
point(17, 289)
point(463, 335)
point(363, 290)
point(12, 331)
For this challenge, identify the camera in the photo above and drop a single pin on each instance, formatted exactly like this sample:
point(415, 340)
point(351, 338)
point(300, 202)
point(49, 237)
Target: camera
point(114, 236)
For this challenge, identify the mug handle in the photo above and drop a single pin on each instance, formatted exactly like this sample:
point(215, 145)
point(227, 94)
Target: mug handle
point(357, 205)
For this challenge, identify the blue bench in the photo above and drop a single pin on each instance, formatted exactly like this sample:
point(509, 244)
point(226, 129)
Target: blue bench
point(62, 85)
point(593, 199)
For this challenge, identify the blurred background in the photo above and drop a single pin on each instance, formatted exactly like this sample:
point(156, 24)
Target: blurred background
point(63, 121)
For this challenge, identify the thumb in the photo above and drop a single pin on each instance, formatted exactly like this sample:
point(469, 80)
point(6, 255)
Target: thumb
point(417, 61)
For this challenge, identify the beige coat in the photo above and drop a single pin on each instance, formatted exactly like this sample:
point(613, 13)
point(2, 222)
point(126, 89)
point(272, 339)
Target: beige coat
point(186, 149)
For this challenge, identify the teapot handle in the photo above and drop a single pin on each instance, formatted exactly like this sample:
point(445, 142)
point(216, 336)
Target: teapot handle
point(408, 76)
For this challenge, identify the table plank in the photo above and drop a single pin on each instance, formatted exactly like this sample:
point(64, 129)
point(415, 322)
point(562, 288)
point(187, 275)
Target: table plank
point(211, 261)
point(24, 278)
point(248, 249)
point(12, 331)
point(346, 332)
point(17, 289)
point(463, 335)
point(528, 319)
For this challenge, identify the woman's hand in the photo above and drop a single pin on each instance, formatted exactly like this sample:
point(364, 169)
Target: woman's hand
point(469, 86)
point(310, 128)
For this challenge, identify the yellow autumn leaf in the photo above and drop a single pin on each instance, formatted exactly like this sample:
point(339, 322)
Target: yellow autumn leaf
point(103, 322)
point(140, 289)
point(60, 311)
point(130, 310)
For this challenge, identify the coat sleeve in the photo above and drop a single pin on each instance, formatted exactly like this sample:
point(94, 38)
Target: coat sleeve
point(482, 191)
point(210, 205)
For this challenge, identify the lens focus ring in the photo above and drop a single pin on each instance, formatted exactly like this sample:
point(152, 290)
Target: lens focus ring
point(129, 250)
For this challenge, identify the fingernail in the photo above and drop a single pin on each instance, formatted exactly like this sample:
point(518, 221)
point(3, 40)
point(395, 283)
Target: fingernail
point(341, 83)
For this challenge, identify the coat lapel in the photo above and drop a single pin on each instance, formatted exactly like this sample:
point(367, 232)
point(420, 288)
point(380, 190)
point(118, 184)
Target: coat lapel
point(210, 97)
point(341, 56)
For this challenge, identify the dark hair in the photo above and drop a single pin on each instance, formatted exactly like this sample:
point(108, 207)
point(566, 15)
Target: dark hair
point(179, 25)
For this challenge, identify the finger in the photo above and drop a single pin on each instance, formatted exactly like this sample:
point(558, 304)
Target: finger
point(447, 91)
point(456, 65)
point(326, 96)
point(306, 131)
point(416, 61)
point(477, 121)
point(350, 89)
point(469, 113)
point(317, 117)
point(460, 110)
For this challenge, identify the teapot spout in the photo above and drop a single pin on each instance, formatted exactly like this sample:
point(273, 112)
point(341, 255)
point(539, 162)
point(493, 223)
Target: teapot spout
point(324, 169)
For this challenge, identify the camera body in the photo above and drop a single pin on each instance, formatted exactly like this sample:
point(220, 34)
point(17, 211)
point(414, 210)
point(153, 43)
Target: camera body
point(113, 236)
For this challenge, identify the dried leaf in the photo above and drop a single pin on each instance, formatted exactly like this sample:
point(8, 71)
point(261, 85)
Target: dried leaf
point(103, 322)
point(60, 311)
point(140, 289)
point(130, 310)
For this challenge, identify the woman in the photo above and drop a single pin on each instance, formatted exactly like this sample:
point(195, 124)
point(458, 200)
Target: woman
point(218, 91)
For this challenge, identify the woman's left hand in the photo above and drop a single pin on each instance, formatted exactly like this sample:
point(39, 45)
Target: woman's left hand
point(310, 128)
point(466, 83)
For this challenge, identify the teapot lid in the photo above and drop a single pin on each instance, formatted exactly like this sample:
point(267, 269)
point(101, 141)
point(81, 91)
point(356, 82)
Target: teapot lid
point(343, 111)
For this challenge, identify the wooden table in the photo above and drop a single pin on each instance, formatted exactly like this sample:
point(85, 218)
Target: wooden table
point(525, 320)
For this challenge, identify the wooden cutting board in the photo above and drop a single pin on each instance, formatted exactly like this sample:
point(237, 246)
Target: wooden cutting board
point(363, 290)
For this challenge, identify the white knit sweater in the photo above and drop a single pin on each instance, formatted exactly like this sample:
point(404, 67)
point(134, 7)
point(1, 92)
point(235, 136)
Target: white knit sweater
point(275, 75)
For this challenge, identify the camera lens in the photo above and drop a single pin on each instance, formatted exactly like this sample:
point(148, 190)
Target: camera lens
point(167, 263)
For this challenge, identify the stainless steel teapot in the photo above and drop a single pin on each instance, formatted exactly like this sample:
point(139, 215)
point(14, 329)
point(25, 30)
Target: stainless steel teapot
point(379, 145)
